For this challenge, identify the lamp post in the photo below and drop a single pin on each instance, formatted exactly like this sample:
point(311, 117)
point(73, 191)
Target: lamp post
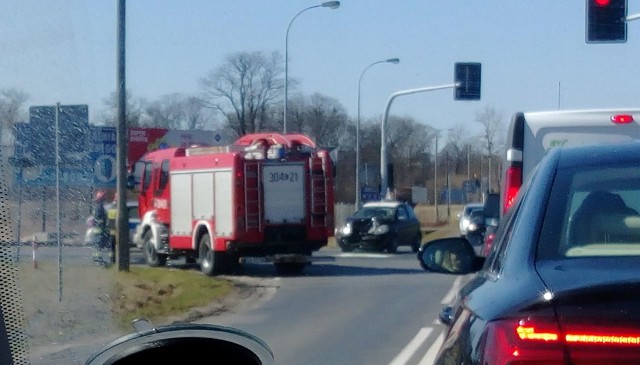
point(327, 4)
point(390, 60)
point(435, 173)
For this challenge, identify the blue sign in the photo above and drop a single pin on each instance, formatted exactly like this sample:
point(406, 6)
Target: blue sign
point(368, 194)
point(103, 156)
point(46, 176)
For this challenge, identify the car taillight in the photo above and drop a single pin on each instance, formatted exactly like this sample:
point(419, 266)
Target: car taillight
point(622, 118)
point(512, 185)
point(541, 341)
point(522, 342)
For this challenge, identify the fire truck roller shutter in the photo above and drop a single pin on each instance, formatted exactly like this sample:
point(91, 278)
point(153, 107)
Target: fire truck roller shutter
point(284, 197)
point(181, 195)
point(203, 201)
point(223, 207)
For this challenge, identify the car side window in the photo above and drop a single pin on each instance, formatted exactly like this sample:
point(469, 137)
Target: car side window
point(507, 224)
point(410, 213)
point(402, 214)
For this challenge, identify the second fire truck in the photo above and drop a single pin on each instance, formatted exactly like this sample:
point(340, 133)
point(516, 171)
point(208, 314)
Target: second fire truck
point(268, 195)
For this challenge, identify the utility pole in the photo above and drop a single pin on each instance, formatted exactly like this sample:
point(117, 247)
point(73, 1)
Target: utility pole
point(122, 219)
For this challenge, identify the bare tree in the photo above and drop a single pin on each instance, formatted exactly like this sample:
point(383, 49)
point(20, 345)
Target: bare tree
point(408, 145)
point(134, 110)
point(195, 114)
point(244, 88)
point(12, 109)
point(457, 141)
point(167, 112)
point(491, 136)
point(325, 120)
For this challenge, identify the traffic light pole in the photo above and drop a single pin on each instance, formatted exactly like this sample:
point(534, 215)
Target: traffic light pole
point(383, 132)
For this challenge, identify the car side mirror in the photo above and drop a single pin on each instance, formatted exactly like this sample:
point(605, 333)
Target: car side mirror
point(183, 343)
point(449, 255)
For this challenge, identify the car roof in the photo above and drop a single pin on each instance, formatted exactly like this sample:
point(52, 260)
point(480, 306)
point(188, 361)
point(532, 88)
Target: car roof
point(606, 153)
point(474, 205)
point(384, 203)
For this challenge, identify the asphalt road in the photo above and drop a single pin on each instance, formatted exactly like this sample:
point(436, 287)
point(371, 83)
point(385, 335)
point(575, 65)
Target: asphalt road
point(356, 308)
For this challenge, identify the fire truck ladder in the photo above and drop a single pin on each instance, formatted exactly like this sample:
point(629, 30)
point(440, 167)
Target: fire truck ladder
point(252, 195)
point(318, 193)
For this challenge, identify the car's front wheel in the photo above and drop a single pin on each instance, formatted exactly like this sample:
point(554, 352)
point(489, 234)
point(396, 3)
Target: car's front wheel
point(392, 247)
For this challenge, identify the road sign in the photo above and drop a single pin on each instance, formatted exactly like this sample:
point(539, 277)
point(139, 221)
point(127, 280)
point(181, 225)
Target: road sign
point(73, 133)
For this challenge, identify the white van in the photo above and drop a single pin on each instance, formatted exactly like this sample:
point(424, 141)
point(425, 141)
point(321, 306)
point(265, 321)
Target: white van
point(532, 134)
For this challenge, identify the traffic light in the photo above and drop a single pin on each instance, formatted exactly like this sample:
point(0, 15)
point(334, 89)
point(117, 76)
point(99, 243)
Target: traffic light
point(467, 77)
point(606, 21)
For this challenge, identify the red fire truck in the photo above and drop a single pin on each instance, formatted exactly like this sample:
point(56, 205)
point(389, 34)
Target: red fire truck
point(267, 195)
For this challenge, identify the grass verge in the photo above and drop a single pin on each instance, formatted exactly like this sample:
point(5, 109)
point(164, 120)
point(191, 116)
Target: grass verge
point(157, 294)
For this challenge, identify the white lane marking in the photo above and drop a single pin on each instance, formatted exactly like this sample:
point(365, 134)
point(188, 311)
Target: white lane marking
point(412, 347)
point(430, 357)
point(451, 295)
point(365, 255)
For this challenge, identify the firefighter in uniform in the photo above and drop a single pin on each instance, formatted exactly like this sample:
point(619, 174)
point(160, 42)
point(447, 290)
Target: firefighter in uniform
point(100, 216)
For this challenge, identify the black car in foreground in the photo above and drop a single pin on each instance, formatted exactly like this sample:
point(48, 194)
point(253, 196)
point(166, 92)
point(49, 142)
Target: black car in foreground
point(379, 226)
point(561, 284)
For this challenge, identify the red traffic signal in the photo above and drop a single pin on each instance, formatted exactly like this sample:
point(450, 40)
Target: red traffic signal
point(606, 21)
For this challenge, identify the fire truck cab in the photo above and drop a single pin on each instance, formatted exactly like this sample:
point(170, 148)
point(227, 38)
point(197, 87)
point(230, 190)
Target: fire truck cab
point(268, 195)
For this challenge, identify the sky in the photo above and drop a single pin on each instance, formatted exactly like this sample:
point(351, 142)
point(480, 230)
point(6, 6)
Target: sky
point(533, 53)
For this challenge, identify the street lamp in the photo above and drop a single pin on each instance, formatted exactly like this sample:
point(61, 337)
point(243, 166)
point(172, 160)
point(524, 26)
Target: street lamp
point(327, 4)
point(435, 173)
point(390, 60)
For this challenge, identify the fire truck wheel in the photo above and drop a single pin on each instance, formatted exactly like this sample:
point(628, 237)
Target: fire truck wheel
point(211, 262)
point(154, 259)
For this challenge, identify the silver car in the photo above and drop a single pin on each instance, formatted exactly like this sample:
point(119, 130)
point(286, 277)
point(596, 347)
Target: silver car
point(465, 215)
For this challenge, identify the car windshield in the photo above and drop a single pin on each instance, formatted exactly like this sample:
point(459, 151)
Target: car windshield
point(245, 134)
point(379, 212)
point(595, 213)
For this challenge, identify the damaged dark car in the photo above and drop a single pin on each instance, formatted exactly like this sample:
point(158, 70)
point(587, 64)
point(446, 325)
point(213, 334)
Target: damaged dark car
point(380, 226)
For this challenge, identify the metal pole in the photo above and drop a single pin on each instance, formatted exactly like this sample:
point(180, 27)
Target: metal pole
point(58, 202)
point(122, 219)
point(19, 212)
point(448, 190)
point(468, 162)
point(357, 200)
point(435, 179)
point(383, 142)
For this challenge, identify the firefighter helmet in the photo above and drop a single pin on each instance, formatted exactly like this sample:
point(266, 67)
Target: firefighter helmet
point(100, 195)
